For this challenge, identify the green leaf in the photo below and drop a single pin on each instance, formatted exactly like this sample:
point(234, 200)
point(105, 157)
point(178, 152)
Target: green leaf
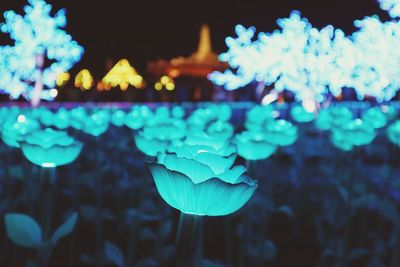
point(22, 230)
point(65, 229)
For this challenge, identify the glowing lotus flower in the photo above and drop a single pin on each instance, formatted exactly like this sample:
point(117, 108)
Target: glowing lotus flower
point(254, 145)
point(62, 119)
point(156, 136)
point(49, 148)
point(201, 118)
point(195, 188)
point(178, 112)
point(258, 116)
point(360, 132)
point(281, 133)
point(221, 129)
point(14, 132)
point(203, 139)
point(389, 111)
point(118, 118)
point(97, 124)
point(46, 117)
point(134, 120)
point(299, 114)
point(355, 133)
point(340, 140)
point(324, 120)
point(375, 117)
point(78, 116)
point(393, 132)
point(340, 116)
point(218, 154)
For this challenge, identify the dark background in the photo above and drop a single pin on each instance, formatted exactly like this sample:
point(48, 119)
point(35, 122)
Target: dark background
point(148, 30)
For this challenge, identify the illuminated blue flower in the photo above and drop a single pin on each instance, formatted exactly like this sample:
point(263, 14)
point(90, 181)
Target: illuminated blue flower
point(97, 124)
point(156, 136)
point(78, 116)
point(178, 112)
point(258, 116)
point(50, 148)
point(14, 132)
point(299, 114)
point(254, 145)
point(118, 118)
point(221, 129)
point(134, 120)
point(194, 188)
point(355, 133)
point(324, 120)
point(375, 117)
point(393, 132)
point(62, 119)
point(200, 138)
point(340, 140)
point(218, 155)
point(46, 117)
point(340, 116)
point(281, 133)
point(149, 145)
point(360, 132)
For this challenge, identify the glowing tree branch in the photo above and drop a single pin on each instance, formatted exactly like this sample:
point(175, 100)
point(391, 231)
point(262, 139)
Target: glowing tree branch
point(392, 6)
point(298, 58)
point(377, 69)
point(41, 51)
point(312, 63)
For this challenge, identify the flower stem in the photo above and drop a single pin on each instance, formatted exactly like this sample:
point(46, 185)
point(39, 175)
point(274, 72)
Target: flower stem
point(48, 179)
point(99, 223)
point(189, 240)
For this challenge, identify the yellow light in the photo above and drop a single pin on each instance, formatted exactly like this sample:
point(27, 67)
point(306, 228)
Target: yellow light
point(62, 79)
point(123, 75)
point(84, 80)
point(170, 86)
point(124, 86)
point(53, 93)
point(164, 80)
point(158, 86)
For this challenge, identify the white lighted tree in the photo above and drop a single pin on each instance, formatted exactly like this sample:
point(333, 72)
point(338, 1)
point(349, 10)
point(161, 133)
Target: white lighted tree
point(41, 50)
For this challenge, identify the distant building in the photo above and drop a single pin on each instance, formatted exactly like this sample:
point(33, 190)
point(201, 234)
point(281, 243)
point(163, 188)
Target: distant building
point(194, 68)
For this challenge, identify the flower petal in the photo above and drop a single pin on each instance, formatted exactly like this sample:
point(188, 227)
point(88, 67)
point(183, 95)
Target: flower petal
point(195, 170)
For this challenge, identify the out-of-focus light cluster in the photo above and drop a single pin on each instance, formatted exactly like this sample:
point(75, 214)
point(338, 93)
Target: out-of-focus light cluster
point(62, 79)
point(308, 61)
point(165, 82)
point(84, 80)
point(122, 75)
point(392, 6)
point(35, 34)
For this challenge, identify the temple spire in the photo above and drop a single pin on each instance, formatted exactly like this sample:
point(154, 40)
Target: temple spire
point(204, 49)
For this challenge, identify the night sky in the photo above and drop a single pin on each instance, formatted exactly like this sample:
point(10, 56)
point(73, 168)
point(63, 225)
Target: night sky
point(148, 30)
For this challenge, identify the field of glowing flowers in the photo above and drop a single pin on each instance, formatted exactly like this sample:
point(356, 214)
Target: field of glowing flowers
point(200, 185)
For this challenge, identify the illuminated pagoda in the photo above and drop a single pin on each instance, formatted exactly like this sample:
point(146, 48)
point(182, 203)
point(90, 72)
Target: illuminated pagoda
point(122, 75)
point(84, 80)
point(197, 66)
